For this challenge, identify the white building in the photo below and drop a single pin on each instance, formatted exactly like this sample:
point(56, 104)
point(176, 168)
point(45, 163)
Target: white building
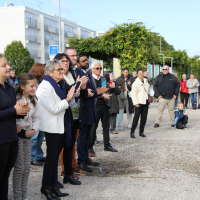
point(37, 30)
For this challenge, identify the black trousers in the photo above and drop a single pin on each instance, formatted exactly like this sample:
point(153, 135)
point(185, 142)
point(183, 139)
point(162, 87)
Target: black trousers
point(103, 114)
point(8, 156)
point(68, 151)
point(182, 122)
point(140, 111)
point(82, 143)
point(184, 98)
point(54, 144)
point(113, 118)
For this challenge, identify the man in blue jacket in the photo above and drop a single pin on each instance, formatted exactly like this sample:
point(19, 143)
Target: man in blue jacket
point(88, 115)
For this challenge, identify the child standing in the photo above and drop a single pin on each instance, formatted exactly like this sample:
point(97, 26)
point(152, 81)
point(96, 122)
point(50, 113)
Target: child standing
point(122, 97)
point(181, 118)
point(27, 127)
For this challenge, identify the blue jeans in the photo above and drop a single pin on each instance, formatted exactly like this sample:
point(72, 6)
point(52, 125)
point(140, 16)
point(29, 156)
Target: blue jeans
point(36, 146)
point(120, 117)
point(193, 97)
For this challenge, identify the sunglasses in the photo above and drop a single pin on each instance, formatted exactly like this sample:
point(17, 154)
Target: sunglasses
point(165, 69)
point(98, 68)
point(59, 69)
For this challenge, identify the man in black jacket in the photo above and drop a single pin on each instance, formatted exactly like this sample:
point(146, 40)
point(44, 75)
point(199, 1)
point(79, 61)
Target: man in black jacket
point(129, 79)
point(166, 88)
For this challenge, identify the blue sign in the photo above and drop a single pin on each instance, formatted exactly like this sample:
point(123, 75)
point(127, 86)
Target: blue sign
point(150, 70)
point(157, 70)
point(53, 50)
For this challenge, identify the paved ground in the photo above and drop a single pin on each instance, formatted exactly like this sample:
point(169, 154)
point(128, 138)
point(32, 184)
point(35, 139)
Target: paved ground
point(164, 165)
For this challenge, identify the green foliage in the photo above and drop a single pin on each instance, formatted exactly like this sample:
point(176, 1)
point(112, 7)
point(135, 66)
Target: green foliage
point(18, 57)
point(133, 44)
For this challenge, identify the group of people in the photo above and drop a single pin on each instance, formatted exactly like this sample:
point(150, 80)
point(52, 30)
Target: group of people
point(64, 103)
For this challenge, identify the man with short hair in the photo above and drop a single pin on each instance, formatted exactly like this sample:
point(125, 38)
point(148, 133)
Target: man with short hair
point(88, 115)
point(102, 111)
point(12, 79)
point(129, 79)
point(166, 88)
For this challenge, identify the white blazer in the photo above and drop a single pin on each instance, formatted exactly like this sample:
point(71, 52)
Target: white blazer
point(52, 109)
point(138, 93)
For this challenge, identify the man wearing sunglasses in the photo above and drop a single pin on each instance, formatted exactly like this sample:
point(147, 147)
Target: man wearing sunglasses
point(166, 88)
point(102, 111)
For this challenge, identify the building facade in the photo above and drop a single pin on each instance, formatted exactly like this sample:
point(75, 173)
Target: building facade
point(37, 30)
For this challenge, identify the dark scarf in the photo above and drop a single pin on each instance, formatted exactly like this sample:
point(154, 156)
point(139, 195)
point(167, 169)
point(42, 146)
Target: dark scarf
point(60, 91)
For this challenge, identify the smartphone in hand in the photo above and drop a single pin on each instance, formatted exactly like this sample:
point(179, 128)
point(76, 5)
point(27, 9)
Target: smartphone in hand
point(77, 86)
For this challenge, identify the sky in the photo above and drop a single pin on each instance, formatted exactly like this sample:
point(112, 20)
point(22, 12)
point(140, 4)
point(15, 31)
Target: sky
point(176, 20)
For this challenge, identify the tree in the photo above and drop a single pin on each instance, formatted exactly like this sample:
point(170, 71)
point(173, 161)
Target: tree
point(133, 44)
point(18, 57)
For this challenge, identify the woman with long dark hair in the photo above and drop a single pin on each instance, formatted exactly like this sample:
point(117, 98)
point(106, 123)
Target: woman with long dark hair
point(9, 111)
point(37, 154)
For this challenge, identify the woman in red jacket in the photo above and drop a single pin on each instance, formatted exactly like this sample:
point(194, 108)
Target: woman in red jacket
point(184, 90)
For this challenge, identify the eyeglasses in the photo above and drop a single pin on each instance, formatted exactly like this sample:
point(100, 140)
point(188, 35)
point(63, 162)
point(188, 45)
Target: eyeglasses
point(64, 61)
point(165, 69)
point(59, 69)
point(84, 61)
point(98, 68)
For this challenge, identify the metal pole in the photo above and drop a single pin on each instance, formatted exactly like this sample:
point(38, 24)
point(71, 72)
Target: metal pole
point(59, 30)
point(163, 60)
point(160, 44)
point(153, 71)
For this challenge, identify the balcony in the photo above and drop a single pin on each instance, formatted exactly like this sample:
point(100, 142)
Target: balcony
point(53, 42)
point(70, 34)
point(33, 39)
point(51, 29)
point(34, 53)
point(33, 23)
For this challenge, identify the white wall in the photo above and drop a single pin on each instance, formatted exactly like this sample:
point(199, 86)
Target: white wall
point(12, 25)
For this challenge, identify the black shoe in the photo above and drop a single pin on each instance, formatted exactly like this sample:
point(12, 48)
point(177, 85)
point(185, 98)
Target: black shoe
point(46, 193)
point(42, 160)
point(36, 162)
point(132, 135)
point(172, 125)
point(57, 192)
point(90, 162)
point(156, 125)
point(84, 167)
point(60, 185)
point(70, 178)
point(142, 135)
point(110, 148)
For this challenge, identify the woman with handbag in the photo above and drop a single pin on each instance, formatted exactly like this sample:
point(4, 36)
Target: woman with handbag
point(184, 90)
point(141, 100)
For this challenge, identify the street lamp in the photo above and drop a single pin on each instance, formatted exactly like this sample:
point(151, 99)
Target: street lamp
point(160, 42)
point(171, 61)
point(163, 58)
point(59, 30)
point(131, 19)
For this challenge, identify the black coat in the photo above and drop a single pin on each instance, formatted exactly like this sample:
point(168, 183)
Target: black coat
point(8, 130)
point(130, 102)
point(157, 84)
point(113, 101)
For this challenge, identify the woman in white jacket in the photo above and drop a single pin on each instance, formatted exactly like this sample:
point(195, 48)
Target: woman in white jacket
point(139, 95)
point(26, 128)
point(55, 117)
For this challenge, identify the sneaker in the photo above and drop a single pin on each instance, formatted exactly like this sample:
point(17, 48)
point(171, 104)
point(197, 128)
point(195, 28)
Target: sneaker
point(79, 171)
point(91, 152)
point(129, 126)
point(185, 127)
point(156, 125)
point(172, 125)
point(119, 128)
point(97, 142)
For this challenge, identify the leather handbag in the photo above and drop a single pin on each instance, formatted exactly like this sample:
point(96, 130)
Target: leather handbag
point(150, 99)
